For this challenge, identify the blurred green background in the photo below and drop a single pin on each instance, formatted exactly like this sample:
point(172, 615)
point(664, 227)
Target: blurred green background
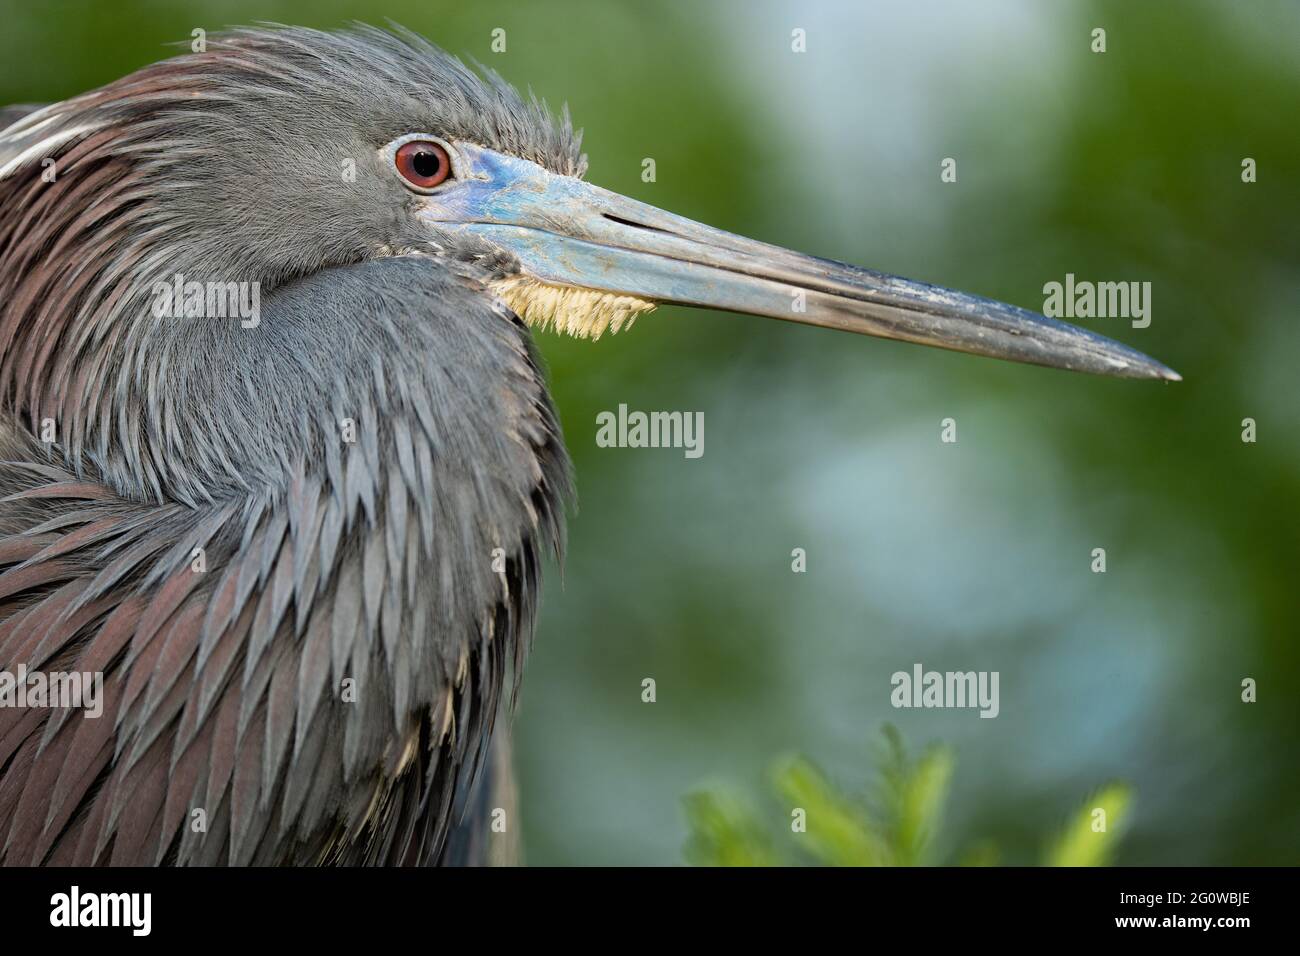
point(975, 556)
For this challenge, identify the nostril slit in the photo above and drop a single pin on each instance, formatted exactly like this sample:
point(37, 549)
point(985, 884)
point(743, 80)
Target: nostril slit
point(635, 225)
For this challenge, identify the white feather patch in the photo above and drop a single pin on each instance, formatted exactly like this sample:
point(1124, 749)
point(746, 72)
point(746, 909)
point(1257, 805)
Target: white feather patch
point(583, 313)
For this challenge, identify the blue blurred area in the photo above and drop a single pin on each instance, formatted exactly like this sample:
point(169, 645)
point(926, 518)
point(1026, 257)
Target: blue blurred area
point(1123, 165)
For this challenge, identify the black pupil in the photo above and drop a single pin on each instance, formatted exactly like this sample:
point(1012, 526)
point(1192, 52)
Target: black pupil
point(426, 163)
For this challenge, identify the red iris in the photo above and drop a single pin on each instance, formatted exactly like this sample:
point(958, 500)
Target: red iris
point(423, 164)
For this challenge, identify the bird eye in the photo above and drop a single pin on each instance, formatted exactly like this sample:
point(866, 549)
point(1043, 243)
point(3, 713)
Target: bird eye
point(422, 163)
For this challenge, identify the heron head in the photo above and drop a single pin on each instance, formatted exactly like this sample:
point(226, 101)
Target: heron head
point(282, 151)
point(583, 260)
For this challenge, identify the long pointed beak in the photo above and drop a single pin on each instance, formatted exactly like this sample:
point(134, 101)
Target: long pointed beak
point(568, 232)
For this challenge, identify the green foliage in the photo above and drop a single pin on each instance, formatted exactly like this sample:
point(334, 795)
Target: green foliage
point(1090, 837)
point(725, 832)
point(840, 831)
point(914, 796)
point(894, 824)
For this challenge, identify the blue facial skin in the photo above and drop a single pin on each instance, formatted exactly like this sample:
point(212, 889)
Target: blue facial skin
point(568, 232)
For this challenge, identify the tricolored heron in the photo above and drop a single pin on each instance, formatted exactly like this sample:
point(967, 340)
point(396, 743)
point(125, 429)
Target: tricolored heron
point(304, 550)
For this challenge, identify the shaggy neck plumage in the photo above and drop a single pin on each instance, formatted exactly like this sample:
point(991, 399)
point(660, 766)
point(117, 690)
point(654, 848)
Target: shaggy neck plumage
point(83, 243)
point(371, 473)
point(191, 167)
